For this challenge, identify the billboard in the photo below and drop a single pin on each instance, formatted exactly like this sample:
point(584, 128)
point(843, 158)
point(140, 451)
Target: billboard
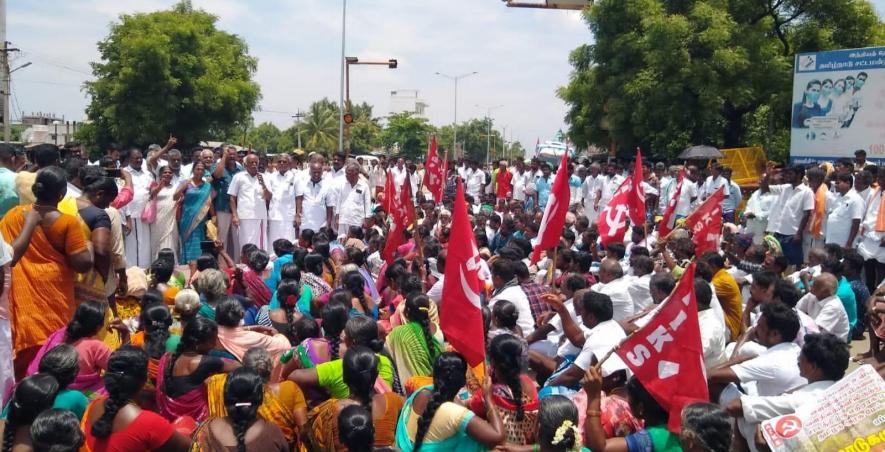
point(838, 105)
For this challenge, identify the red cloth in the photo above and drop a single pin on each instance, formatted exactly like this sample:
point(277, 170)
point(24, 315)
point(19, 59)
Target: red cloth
point(434, 172)
point(124, 196)
point(636, 198)
point(553, 221)
point(148, 431)
point(669, 221)
point(666, 355)
point(705, 224)
point(403, 215)
point(505, 184)
point(460, 316)
point(612, 222)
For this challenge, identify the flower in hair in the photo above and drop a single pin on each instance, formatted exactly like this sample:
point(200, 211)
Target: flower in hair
point(243, 404)
point(291, 300)
point(559, 436)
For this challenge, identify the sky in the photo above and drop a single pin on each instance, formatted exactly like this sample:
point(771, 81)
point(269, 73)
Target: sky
point(521, 55)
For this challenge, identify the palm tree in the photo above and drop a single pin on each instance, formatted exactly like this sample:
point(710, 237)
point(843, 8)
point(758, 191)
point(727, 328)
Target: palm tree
point(320, 127)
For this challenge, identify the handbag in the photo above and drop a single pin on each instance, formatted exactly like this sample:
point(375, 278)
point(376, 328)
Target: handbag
point(149, 213)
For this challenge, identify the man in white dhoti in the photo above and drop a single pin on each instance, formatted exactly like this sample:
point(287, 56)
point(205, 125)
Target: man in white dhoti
point(314, 201)
point(281, 215)
point(353, 199)
point(248, 203)
point(138, 233)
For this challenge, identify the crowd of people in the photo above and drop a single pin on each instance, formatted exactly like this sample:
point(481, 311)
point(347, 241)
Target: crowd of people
point(243, 302)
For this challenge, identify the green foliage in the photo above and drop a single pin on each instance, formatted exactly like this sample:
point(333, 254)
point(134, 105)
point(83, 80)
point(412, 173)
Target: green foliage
point(364, 133)
point(408, 134)
point(170, 72)
point(319, 128)
point(267, 138)
point(472, 139)
point(666, 74)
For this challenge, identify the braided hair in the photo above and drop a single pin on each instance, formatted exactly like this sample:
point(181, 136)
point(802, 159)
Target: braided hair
point(418, 310)
point(449, 376)
point(63, 363)
point(555, 411)
point(506, 355)
point(288, 292)
point(88, 319)
point(353, 281)
point(57, 430)
point(258, 359)
point(199, 330)
point(126, 374)
point(356, 428)
point(360, 370)
point(243, 394)
point(363, 331)
point(156, 320)
point(32, 396)
point(335, 316)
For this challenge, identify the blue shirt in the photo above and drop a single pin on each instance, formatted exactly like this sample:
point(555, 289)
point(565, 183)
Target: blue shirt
point(733, 200)
point(543, 188)
point(8, 192)
point(274, 279)
point(222, 201)
point(846, 295)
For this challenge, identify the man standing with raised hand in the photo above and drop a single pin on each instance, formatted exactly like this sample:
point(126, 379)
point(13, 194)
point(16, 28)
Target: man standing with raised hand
point(248, 201)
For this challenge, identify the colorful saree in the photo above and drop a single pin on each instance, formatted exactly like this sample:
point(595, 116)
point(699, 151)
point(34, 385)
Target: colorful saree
point(517, 432)
point(321, 431)
point(89, 383)
point(410, 351)
point(192, 223)
point(193, 403)
point(276, 408)
point(458, 441)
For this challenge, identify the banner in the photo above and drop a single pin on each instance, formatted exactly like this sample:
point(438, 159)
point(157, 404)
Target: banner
point(838, 103)
point(848, 417)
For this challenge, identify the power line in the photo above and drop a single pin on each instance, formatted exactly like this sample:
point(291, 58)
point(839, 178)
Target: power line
point(45, 82)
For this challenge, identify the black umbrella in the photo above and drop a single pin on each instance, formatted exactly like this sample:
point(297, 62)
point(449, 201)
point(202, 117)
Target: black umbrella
point(701, 152)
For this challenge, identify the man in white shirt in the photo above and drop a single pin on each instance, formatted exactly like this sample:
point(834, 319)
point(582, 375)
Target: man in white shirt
point(613, 283)
point(638, 287)
point(792, 210)
point(507, 288)
point(399, 173)
point(281, 215)
point(474, 182)
point(845, 210)
point(138, 238)
point(713, 182)
point(827, 310)
point(248, 201)
point(610, 184)
point(521, 179)
point(872, 242)
point(336, 173)
point(713, 332)
point(689, 194)
point(435, 292)
point(353, 199)
point(377, 178)
point(314, 201)
point(590, 189)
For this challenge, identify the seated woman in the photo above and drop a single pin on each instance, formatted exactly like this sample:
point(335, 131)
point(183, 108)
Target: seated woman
point(292, 272)
point(253, 283)
point(31, 397)
point(242, 429)
point(291, 277)
point(283, 402)
point(330, 375)
point(63, 363)
point(154, 338)
point(114, 423)
point(654, 437)
point(181, 389)
point(93, 353)
point(57, 431)
point(284, 317)
point(312, 276)
point(237, 339)
point(558, 429)
point(432, 421)
point(356, 431)
point(361, 304)
point(283, 250)
point(360, 371)
point(213, 286)
point(312, 352)
point(705, 427)
point(412, 345)
point(514, 393)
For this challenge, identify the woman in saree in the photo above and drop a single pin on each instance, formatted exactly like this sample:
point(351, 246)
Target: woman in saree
point(48, 247)
point(361, 303)
point(360, 371)
point(82, 333)
point(155, 340)
point(237, 339)
point(312, 276)
point(253, 278)
point(431, 420)
point(283, 403)
point(196, 210)
point(181, 388)
point(412, 346)
point(164, 230)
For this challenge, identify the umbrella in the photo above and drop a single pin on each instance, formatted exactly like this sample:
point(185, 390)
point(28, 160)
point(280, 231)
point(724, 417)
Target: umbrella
point(701, 152)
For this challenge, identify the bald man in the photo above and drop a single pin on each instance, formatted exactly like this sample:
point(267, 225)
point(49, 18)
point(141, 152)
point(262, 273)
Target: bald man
point(825, 308)
point(613, 283)
point(248, 203)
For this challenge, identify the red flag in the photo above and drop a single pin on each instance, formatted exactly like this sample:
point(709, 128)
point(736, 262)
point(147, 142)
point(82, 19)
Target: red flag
point(389, 193)
point(612, 221)
point(550, 231)
point(434, 178)
point(705, 223)
point(460, 316)
point(666, 354)
point(669, 221)
point(402, 215)
point(636, 200)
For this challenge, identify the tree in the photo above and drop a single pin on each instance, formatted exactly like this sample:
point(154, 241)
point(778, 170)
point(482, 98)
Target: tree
point(170, 72)
point(409, 133)
point(319, 128)
point(269, 139)
point(472, 139)
point(666, 74)
point(364, 131)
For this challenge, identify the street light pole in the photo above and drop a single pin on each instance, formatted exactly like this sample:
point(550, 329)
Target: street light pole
point(489, 132)
point(455, 78)
point(343, 67)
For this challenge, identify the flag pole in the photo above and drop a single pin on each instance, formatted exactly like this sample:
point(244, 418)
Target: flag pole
point(551, 269)
point(419, 241)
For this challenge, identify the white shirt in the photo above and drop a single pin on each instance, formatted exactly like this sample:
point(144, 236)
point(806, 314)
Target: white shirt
point(354, 203)
point(474, 183)
point(789, 208)
point(186, 171)
point(617, 290)
point(520, 182)
point(842, 210)
point(610, 184)
point(515, 295)
point(334, 176)
point(757, 409)
point(435, 292)
point(598, 342)
point(829, 314)
point(315, 197)
point(689, 191)
point(759, 205)
point(713, 334)
point(250, 196)
point(589, 190)
point(775, 371)
point(399, 176)
point(282, 204)
point(141, 187)
point(639, 292)
point(868, 245)
point(712, 184)
point(377, 176)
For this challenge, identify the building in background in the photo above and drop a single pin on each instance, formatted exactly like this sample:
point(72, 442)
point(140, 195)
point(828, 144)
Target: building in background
point(48, 128)
point(407, 100)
